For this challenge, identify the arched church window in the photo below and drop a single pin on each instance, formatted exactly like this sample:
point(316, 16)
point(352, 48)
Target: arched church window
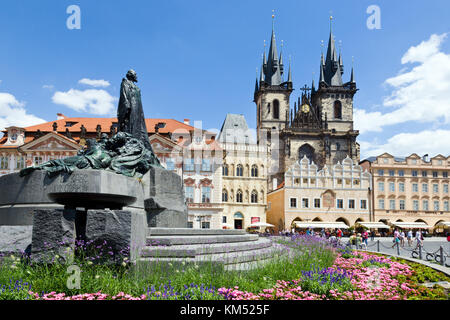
point(306, 150)
point(225, 170)
point(239, 170)
point(239, 196)
point(224, 195)
point(254, 170)
point(337, 109)
point(276, 109)
point(254, 196)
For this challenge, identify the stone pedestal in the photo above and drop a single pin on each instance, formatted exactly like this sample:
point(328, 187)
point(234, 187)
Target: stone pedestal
point(165, 204)
point(119, 233)
point(53, 235)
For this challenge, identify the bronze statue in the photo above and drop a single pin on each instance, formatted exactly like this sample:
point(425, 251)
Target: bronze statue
point(128, 152)
point(130, 112)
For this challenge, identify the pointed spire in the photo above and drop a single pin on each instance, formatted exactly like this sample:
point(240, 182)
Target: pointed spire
point(322, 76)
point(352, 78)
point(332, 66)
point(273, 70)
point(289, 73)
point(256, 84)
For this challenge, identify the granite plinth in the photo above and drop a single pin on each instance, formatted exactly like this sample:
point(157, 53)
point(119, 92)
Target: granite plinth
point(53, 235)
point(165, 205)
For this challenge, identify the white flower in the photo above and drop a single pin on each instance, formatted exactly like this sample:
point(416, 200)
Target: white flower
point(97, 276)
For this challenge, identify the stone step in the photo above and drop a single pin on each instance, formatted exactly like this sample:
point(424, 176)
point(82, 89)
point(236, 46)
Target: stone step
point(192, 232)
point(198, 239)
point(229, 260)
point(200, 249)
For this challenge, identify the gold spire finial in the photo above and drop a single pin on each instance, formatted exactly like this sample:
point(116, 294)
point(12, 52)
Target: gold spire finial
point(273, 13)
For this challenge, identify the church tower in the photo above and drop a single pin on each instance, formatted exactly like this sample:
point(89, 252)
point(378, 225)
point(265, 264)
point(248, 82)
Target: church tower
point(272, 93)
point(334, 99)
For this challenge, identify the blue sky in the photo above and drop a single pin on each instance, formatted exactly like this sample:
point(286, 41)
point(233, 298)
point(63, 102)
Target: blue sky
point(198, 60)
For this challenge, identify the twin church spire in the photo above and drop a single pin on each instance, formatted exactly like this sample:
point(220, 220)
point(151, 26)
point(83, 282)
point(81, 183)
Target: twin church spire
point(331, 67)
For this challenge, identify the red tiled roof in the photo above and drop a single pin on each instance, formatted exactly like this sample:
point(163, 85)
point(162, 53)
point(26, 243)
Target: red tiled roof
point(91, 125)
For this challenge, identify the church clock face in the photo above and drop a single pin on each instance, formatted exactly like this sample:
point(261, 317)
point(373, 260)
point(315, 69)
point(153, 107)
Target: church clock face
point(305, 108)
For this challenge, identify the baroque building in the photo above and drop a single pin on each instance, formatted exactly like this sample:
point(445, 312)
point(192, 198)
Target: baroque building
point(340, 193)
point(244, 174)
point(412, 189)
point(320, 124)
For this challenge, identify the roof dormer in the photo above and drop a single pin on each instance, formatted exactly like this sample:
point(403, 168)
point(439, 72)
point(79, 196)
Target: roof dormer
point(16, 136)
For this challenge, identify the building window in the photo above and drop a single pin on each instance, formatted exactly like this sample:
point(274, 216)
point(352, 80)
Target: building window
point(445, 188)
point(276, 109)
point(239, 170)
point(381, 203)
point(351, 204)
point(225, 170)
point(20, 164)
point(239, 196)
point(189, 165)
point(391, 173)
point(416, 205)
point(436, 205)
point(363, 204)
point(424, 187)
point(414, 173)
point(445, 174)
point(340, 203)
point(446, 206)
point(293, 202)
point(37, 161)
point(415, 187)
point(425, 205)
point(205, 225)
point(391, 186)
point(206, 194)
point(424, 173)
point(392, 204)
point(206, 165)
point(254, 170)
point(170, 164)
point(435, 188)
point(381, 172)
point(401, 173)
point(337, 109)
point(402, 204)
point(4, 162)
point(189, 194)
point(401, 187)
point(224, 219)
point(381, 186)
point(435, 174)
point(254, 197)
point(316, 203)
point(190, 225)
point(224, 195)
point(305, 203)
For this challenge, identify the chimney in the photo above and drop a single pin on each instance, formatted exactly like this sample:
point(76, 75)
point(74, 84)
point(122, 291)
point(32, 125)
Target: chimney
point(275, 184)
point(186, 121)
point(60, 116)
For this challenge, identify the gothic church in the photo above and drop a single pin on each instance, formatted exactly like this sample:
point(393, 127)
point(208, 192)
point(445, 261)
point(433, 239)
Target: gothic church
point(320, 124)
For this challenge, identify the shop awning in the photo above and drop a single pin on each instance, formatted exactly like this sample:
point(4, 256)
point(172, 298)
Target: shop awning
point(411, 225)
point(374, 225)
point(261, 224)
point(321, 224)
point(445, 224)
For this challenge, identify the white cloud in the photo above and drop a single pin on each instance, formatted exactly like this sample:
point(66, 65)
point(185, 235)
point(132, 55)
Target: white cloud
point(93, 101)
point(13, 113)
point(421, 94)
point(430, 142)
point(48, 86)
point(95, 83)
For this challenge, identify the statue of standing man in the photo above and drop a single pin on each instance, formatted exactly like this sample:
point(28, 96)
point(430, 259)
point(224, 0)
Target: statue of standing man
point(130, 112)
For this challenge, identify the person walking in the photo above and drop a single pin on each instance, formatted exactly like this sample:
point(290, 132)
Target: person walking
point(372, 235)
point(402, 238)
point(396, 238)
point(365, 238)
point(409, 236)
point(419, 239)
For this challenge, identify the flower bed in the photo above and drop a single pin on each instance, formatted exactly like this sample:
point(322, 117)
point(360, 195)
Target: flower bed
point(358, 276)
